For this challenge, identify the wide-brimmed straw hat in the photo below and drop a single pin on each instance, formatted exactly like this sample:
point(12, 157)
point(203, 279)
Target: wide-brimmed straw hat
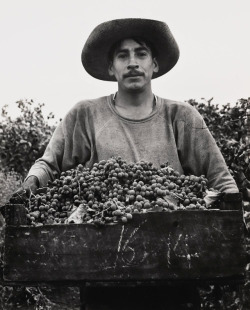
point(95, 53)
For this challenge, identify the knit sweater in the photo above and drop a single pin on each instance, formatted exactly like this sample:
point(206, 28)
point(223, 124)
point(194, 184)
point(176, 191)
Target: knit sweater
point(173, 133)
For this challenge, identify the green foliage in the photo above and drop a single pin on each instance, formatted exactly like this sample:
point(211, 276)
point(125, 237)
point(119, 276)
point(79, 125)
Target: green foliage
point(230, 128)
point(10, 182)
point(24, 138)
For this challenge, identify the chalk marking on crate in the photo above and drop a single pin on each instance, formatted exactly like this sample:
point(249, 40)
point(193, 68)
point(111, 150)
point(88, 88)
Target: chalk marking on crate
point(177, 242)
point(120, 240)
point(132, 234)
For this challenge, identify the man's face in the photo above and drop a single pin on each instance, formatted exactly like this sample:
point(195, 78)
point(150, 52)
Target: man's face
point(133, 66)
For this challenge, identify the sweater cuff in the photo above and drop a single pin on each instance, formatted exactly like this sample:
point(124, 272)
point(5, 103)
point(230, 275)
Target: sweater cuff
point(41, 174)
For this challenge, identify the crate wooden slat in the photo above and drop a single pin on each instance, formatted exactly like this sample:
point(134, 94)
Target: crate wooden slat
point(153, 246)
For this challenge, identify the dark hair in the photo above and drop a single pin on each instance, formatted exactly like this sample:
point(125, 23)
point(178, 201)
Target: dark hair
point(138, 40)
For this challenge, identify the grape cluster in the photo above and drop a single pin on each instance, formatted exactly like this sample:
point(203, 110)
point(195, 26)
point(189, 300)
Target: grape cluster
point(113, 190)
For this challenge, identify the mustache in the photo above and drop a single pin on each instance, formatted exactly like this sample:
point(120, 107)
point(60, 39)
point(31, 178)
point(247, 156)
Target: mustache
point(133, 73)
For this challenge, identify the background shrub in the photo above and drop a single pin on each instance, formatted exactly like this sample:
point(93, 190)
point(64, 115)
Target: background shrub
point(23, 139)
point(230, 126)
point(9, 182)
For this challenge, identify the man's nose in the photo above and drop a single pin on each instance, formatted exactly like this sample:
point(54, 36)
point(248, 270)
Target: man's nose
point(133, 66)
point(132, 63)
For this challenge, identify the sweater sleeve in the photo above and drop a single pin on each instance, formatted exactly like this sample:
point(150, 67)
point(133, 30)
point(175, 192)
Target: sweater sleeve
point(199, 153)
point(68, 147)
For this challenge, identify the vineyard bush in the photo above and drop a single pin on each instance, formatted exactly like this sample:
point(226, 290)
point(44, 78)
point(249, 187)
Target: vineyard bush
point(230, 126)
point(9, 182)
point(23, 139)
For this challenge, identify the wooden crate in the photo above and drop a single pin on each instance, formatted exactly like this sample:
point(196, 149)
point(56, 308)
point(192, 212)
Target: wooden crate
point(166, 246)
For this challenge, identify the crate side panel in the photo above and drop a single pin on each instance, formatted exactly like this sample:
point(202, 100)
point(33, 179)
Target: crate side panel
point(177, 245)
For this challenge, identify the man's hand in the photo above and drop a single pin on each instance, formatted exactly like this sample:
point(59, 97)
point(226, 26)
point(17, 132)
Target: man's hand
point(29, 186)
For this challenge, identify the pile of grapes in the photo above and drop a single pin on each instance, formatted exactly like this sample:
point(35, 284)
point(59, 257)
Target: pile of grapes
point(112, 191)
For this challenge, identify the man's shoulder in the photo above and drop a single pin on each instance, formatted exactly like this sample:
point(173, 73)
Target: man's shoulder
point(177, 105)
point(91, 103)
point(88, 106)
point(181, 111)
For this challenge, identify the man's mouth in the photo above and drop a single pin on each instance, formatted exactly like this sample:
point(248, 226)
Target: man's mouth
point(135, 74)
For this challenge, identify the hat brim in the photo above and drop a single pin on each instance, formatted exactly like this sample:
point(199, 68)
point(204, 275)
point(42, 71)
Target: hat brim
point(96, 49)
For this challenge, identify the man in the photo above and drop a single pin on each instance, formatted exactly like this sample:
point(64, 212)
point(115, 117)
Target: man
point(135, 124)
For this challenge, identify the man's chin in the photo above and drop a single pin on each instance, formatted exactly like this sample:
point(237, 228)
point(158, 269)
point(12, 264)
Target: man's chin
point(135, 87)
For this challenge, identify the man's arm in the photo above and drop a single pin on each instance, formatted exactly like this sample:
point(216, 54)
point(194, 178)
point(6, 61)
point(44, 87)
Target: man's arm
point(48, 167)
point(68, 146)
point(199, 153)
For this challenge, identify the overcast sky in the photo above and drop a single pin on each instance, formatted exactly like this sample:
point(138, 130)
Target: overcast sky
point(41, 44)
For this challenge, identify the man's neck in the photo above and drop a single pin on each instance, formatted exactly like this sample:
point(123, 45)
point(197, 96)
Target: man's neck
point(134, 105)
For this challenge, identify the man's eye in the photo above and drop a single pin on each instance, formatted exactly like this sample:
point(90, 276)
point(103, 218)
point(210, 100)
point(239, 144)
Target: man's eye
point(142, 54)
point(121, 55)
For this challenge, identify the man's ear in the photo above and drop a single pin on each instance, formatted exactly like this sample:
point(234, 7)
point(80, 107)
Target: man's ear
point(156, 66)
point(111, 73)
